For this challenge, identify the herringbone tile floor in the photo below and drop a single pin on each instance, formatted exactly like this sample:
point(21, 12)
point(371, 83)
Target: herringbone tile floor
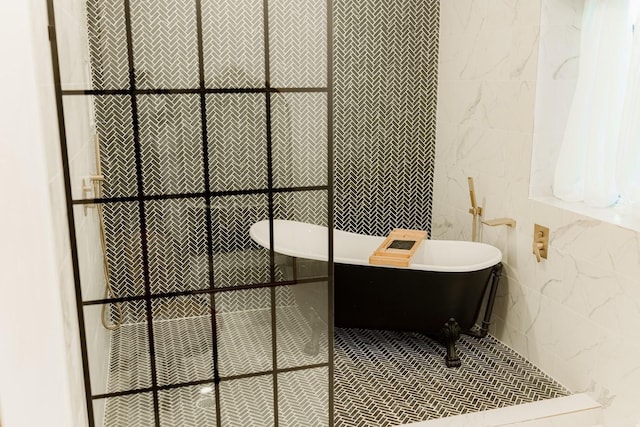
point(385, 378)
point(381, 378)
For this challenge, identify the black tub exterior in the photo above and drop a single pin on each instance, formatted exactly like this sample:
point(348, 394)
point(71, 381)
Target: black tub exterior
point(407, 300)
point(438, 304)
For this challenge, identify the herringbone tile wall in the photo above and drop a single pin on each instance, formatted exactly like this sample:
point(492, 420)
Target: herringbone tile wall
point(298, 35)
point(233, 43)
point(123, 248)
point(303, 206)
point(165, 44)
point(165, 56)
point(108, 44)
point(113, 124)
point(177, 245)
point(236, 125)
point(385, 81)
point(299, 135)
point(171, 144)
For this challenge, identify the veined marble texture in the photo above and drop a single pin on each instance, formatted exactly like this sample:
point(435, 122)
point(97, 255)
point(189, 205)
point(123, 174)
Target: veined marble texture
point(501, 111)
point(559, 54)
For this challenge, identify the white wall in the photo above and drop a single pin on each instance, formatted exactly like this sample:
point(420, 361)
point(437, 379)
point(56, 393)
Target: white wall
point(40, 364)
point(577, 314)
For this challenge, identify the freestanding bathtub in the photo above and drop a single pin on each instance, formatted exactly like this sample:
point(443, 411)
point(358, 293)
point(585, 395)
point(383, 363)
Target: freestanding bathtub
point(440, 294)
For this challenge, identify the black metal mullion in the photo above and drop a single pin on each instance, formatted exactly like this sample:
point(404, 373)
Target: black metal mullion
point(142, 212)
point(94, 92)
point(206, 291)
point(330, 221)
point(161, 91)
point(207, 188)
point(62, 134)
point(198, 195)
point(272, 293)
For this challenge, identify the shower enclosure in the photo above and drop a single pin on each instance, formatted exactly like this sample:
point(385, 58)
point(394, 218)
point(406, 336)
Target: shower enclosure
point(206, 116)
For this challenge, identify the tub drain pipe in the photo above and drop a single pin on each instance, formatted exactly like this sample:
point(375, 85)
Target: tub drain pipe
point(482, 331)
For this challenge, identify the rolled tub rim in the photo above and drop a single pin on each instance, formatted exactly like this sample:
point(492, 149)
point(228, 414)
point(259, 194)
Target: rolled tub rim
point(257, 233)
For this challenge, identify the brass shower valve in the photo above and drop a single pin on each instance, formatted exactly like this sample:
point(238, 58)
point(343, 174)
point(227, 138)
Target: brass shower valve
point(540, 242)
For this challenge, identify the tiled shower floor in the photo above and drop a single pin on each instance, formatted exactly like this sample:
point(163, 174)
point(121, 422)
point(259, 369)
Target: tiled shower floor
point(387, 378)
point(381, 378)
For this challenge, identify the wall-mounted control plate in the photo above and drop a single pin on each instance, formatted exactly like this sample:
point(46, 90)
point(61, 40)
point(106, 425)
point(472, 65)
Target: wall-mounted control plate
point(540, 240)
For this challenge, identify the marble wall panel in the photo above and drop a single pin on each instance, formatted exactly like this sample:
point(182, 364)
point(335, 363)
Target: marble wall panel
point(575, 315)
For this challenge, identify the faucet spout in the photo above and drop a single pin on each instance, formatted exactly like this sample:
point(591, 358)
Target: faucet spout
point(509, 222)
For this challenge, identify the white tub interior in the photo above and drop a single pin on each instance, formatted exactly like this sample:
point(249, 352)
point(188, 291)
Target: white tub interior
point(304, 240)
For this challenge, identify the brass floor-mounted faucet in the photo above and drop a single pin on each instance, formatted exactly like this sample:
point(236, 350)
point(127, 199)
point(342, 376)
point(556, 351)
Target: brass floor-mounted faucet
point(476, 211)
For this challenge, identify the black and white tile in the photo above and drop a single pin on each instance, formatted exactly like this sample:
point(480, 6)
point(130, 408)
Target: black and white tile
point(184, 353)
point(165, 43)
point(183, 350)
point(299, 138)
point(134, 410)
point(187, 406)
point(403, 376)
point(303, 398)
point(177, 245)
point(124, 250)
point(385, 87)
point(181, 307)
point(233, 43)
point(303, 206)
point(381, 378)
point(244, 338)
point(257, 411)
point(236, 126)
point(171, 144)
point(114, 125)
point(129, 359)
point(108, 44)
point(293, 332)
point(298, 43)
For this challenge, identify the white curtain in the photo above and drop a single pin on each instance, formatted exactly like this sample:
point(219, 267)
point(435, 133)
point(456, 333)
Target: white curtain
point(587, 167)
point(628, 162)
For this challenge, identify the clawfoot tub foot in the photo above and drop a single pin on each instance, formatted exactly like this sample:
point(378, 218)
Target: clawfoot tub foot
point(312, 347)
point(450, 333)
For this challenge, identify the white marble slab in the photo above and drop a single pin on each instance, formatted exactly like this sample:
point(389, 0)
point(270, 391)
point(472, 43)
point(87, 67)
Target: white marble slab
point(578, 410)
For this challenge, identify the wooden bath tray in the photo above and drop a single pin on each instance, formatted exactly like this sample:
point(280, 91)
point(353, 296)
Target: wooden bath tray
point(398, 248)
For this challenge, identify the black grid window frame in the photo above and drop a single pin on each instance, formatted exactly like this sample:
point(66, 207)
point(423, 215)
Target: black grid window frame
point(140, 198)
